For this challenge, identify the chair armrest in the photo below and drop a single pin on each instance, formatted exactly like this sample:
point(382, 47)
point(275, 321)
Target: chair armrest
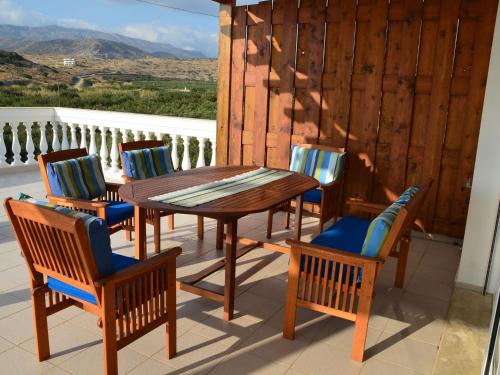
point(336, 182)
point(332, 254)
point(80, 204)
point(140, 269)
point(368, 207)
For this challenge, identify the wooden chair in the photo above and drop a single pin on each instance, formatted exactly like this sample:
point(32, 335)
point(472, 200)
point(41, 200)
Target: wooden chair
point(341, 282)
point(153, 216)
point(323, 203)
point(96, 207)
point(130, 302)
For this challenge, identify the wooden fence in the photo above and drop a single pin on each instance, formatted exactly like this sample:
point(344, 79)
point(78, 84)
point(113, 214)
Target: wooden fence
point(399, 84)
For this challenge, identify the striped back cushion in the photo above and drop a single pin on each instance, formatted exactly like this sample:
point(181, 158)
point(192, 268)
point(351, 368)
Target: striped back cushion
point(97, 232)
point(77, 178)
point(138, 164)
point(407, 195)
point(162, 160)
point(378, 230)
point(324, 166)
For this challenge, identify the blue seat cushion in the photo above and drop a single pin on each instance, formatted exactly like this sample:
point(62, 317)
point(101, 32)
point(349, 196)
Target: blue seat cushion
point(117, 212)
point(347, 234)
point(313, 196)
point(120, 262)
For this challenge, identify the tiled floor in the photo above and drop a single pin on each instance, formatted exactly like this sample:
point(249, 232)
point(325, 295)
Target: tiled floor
point(403, 338)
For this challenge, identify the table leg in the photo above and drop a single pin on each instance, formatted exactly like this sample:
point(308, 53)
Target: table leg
point(298, 216)
point(230, 265)
point(140, 232)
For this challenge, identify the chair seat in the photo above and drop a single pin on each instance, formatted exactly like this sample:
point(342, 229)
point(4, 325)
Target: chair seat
point(117, 212)
point(313, 196)
point(120, 262)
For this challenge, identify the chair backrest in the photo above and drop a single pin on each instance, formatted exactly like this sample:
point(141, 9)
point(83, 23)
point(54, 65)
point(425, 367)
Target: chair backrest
point(52, 157)
point(404, 220)
point(325, 163)
point(53, 244)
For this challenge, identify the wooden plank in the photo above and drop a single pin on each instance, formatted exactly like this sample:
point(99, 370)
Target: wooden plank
point(237, 84)
point(397, 108)
point(259, 57)
point(338, 72)
point(439, 103)
point(224, 81)
point(369, 61)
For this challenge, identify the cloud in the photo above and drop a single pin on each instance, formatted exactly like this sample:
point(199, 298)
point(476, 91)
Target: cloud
point(77, 23)
point(9, 13)
point(182, 37)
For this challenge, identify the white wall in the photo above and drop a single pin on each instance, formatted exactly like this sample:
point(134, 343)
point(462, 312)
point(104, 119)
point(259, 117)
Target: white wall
point(485, 193)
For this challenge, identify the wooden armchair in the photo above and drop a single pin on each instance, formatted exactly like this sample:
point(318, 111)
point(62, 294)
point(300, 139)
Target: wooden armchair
point(153, 216)
point(108, 207)
point(340, 282)
point(324, 202)
point(130, 301)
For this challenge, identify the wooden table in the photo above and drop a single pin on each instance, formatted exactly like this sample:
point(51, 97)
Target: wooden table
point(226, 210)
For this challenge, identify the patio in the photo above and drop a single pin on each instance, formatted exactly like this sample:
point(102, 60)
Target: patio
point(404, 334)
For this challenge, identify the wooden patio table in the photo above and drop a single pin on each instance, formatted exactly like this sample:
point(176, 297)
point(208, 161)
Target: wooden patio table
point(227, 210)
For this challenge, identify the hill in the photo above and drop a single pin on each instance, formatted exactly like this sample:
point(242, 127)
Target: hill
point(17, 70)
point(100, 48)
point(14, 38)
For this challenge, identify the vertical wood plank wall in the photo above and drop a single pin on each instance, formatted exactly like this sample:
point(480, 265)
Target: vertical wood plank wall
point(400, 84)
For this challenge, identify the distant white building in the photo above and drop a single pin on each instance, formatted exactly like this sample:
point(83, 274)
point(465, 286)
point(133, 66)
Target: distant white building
point(69, 62)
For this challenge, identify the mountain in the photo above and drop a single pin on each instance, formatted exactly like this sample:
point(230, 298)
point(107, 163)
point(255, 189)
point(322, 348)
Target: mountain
point(16, 37)
point(100, 48)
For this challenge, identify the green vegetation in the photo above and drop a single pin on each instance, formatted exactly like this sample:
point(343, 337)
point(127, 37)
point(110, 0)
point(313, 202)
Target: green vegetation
point(195, 99)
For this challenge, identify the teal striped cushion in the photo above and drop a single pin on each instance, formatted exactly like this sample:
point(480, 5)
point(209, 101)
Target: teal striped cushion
point(68, 175)
point(407, 195)
point(138, 164)
point(162, 160)
point(92, 175)
point(325, 166)
point(379, 229)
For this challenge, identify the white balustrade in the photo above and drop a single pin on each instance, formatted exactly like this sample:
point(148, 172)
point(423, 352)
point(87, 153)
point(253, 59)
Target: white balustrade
point(186, 162)
point(56, 146)
point(43, 139)
point(151, 126)
point(64, 142)
point(30, 147)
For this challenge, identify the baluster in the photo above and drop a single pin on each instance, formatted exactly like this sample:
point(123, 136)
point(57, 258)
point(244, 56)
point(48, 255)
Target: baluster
point(93, 145)
point(104, 149)
point(186, 162)
point(175, 156)
point(3, 162)
point(159, 136)
point(124, 135)
point(212, 159)
point(16, 147)
point(64, 143)
point(114, 150)
point(56, 146)
point(137, 135)
point(201, 153)
point(74, 143)
point(30, 147)
point(147, 136)
point(83, 131)
point(44, 147)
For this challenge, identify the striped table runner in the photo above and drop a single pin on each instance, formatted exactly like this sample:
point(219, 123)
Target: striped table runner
point(197, 195)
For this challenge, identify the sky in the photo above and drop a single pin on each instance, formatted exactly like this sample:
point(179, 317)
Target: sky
point(133, 18)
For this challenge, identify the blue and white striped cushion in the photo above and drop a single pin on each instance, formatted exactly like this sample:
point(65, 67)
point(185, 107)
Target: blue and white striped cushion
point(325, 166)
point(379, 229)
point(407, 195)
point(92, 175)
point(162, 160)
point(66, 179)
point(138, 164)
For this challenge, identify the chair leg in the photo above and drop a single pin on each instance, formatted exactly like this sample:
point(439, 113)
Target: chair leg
point(171, 328)
point(270, 215)
point(291, 296)
point(41, 327)
point(287, 220)
point(200, 227)
point(321, 225)
point(361, 328)
point(157, 230)
point(404, 246)
point(219, 240)
point(128, 235)
point(109, 332)
point(170, 222)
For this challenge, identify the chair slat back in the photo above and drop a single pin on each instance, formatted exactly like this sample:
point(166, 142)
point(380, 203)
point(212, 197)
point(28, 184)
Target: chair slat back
point(53, 244)
point(56, 156)
point(404, 220)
